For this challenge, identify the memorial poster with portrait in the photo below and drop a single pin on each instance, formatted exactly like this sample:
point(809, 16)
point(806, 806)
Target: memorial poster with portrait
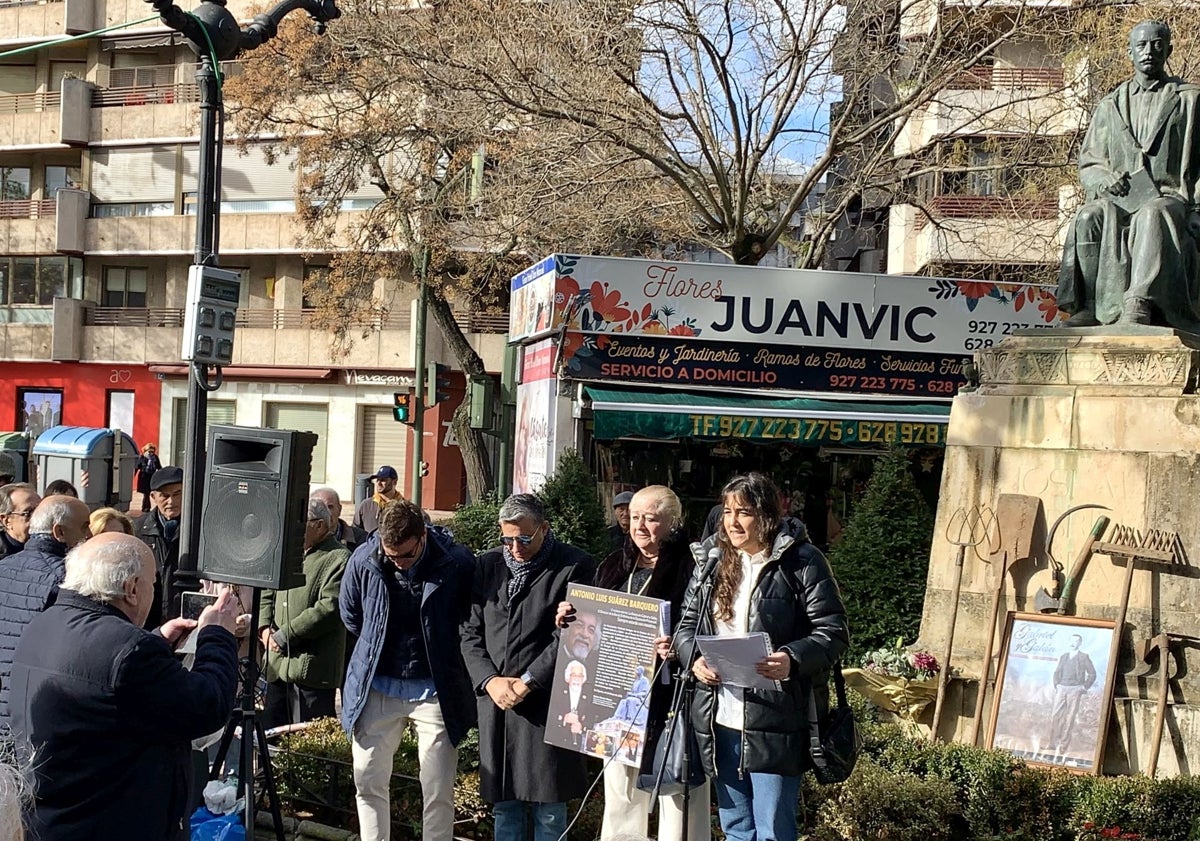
point(600, 698)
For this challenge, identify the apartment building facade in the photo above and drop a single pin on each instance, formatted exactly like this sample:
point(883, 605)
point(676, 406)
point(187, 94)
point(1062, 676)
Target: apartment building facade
point(99, 151)
point(979, 211)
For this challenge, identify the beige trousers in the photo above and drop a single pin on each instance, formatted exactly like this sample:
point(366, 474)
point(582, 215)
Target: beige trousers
point(627, 809)
point(376, 738)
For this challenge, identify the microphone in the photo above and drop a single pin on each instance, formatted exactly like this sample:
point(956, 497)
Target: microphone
point(710, 566)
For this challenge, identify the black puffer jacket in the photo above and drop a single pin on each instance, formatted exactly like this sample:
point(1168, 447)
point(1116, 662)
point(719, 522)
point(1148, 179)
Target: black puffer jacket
point(29, 580)
point(797, 603)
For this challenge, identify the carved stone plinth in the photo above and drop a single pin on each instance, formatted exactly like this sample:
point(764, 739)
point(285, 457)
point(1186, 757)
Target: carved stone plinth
point(1158, 362)
point(1106, 416)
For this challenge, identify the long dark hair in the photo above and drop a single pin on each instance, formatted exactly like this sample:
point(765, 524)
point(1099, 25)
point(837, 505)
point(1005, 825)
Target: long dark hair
point(759, 493)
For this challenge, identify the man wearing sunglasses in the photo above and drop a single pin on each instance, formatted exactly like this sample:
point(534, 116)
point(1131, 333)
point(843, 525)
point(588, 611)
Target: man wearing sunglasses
point(510, 643)
point(17, 502)
point(404, 594)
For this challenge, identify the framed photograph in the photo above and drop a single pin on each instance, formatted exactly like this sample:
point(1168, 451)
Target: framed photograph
point(38, 409)
point(1054, 683)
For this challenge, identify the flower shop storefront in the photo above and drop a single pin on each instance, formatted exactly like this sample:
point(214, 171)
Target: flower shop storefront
point(820, 452)
point(685, 373)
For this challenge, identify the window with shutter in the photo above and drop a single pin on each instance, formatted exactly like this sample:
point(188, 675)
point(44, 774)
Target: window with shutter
point(384, 441)
point(309, 417)
point(219, 411)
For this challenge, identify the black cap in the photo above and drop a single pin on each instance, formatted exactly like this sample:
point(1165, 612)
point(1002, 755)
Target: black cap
point(166, 476)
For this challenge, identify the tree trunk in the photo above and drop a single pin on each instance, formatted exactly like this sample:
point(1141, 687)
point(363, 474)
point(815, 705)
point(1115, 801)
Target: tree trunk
point(480, 479)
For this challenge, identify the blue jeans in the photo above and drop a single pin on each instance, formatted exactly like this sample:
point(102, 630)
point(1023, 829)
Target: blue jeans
point(758, 807)
point(512, 816)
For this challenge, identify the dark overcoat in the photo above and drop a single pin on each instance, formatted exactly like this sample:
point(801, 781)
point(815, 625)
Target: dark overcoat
point(110, 715)
point(510, 639)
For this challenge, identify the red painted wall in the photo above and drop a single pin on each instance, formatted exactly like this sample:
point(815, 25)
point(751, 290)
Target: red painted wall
point(85, 388)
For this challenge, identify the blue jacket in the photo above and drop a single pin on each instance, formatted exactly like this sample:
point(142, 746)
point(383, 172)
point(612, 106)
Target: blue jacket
point(447, 573)
point(28, 580)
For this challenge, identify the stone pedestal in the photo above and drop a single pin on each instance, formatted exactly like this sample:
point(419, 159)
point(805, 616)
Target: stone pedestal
point(1101, 416)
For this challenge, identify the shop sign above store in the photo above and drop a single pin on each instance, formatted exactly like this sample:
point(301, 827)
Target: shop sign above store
point(796, 430)
point(706, 302)
point(362, 378)
point(668, 361)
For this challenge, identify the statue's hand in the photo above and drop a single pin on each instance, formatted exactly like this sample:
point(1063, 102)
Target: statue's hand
point(1120, 185)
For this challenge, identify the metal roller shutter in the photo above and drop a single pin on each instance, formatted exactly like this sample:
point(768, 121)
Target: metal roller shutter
point(384, 441)
point(246, 176)
point(309, 417)
point(128, 175)
point(219, 411)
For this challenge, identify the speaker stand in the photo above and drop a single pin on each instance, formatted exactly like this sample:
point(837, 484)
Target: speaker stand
point(253, 734)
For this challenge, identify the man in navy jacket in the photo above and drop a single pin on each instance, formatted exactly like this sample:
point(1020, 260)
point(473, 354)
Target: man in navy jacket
point(403, 595)
point(106, 707)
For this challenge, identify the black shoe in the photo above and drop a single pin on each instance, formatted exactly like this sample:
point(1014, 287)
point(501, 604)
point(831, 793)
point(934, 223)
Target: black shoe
point(1083, 318)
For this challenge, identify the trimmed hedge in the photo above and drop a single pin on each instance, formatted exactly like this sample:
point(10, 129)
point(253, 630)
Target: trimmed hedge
point(905, 788)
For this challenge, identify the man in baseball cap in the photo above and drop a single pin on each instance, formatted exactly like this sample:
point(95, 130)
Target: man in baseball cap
point(366, 516)
point(619, 530)
point(158, 528)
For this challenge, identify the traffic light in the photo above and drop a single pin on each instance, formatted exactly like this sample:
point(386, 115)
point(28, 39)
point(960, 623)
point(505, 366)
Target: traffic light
point(423, 469)
point(402, 406)
point(437, 381)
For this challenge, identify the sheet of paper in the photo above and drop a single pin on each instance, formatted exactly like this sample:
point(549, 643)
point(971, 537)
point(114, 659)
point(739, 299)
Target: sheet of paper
point(734, 657)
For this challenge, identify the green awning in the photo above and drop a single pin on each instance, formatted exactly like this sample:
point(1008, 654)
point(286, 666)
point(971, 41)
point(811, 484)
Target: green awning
point(619, 413)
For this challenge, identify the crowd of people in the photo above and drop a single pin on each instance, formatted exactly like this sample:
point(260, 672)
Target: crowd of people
point(411, 627)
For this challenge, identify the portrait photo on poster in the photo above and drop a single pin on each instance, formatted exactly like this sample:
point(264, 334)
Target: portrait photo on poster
point(1054, 683)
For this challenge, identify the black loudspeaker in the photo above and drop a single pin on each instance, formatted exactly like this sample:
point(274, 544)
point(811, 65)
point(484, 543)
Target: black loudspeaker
point(256, 506)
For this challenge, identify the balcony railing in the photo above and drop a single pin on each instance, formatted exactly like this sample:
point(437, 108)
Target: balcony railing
point(145, 95)
point(28, 103)
point(278, 319)
point(27, 208)
point(986, 207)
point(155, 84)
point(982, 77)
point(4, 3)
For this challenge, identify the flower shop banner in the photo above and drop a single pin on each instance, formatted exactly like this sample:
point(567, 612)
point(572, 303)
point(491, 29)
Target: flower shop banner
point(646, 321)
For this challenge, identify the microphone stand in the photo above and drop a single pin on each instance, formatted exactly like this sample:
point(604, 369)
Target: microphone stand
point(678, 719)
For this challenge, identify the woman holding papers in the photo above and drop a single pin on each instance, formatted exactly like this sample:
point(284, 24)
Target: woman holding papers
point(655, 562)
point(759, 574)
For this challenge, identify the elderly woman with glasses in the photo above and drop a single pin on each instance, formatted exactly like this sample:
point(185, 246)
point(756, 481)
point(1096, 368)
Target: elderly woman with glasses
point(510, 644)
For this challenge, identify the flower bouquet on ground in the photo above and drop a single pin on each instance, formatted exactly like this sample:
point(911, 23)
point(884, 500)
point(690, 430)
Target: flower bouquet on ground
point(897, 679)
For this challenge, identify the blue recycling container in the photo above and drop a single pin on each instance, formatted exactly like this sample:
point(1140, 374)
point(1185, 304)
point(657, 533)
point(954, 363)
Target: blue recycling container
point(99, 462)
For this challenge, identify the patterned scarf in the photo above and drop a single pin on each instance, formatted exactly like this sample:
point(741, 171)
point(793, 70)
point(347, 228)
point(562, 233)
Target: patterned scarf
point(520, 571)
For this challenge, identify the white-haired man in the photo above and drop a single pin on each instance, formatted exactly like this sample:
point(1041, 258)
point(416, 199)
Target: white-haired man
point(29, 578)
point(348, 535)
point(106, 706)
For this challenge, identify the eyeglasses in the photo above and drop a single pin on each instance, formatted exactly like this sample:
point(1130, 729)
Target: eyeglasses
point(411, 555)
point(25, 515)
point(523, 539)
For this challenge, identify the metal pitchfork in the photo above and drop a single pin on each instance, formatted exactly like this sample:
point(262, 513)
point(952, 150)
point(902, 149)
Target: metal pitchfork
point(968, 527)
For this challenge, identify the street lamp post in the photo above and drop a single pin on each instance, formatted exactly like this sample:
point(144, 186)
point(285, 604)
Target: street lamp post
point(214, 34)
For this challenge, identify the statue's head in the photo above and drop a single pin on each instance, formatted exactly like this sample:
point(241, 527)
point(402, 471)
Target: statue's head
point(1150, 47)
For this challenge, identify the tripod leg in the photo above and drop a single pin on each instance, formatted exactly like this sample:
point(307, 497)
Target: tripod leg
point(264, 760)
point(223, 750)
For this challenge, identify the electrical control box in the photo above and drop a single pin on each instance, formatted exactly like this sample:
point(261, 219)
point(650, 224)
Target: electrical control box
point(208, 321)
